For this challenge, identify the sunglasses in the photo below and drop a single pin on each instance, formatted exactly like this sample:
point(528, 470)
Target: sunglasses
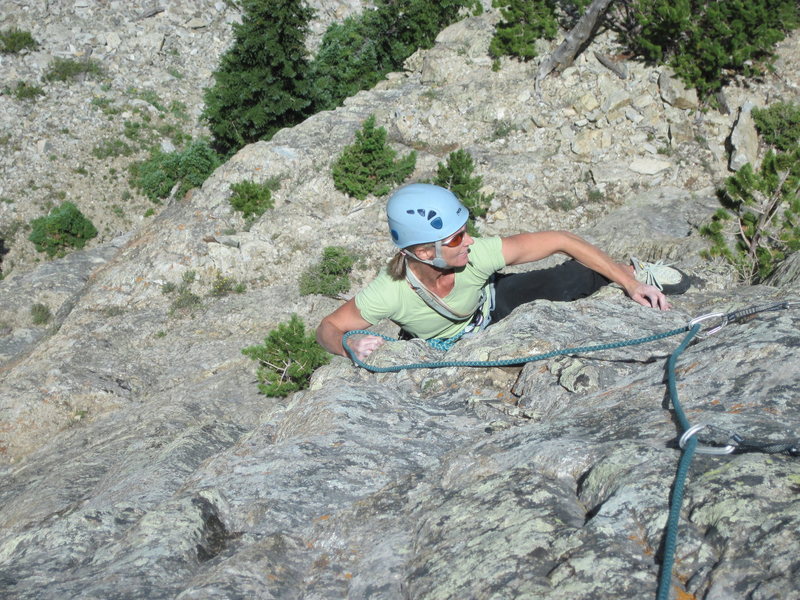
point(456, 239)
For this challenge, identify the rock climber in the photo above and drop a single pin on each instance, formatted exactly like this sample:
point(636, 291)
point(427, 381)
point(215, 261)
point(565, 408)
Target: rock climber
point(443, 284)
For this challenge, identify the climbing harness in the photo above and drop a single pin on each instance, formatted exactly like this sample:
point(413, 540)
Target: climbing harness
point(700, 327)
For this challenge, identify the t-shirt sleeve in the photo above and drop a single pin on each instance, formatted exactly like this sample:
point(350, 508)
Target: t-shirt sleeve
point(377, 301)
point(486, 255)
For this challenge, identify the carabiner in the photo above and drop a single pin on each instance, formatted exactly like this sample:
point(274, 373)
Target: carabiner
point(723, 317)
point(700, 449)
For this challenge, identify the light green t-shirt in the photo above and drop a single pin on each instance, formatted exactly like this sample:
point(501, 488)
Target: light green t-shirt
point(386, 298)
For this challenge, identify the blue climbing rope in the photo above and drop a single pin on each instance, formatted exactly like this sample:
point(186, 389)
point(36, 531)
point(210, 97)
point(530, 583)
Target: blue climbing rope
point(497, 363)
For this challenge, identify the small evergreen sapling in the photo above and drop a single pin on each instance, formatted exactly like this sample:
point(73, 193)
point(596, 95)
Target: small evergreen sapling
point(368, 166)
point(287, 358)
point(65, 227)
point(331, 275)
point(456, 175)
point(253, 199)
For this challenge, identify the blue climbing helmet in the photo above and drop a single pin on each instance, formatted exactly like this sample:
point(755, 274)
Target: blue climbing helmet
point(422, 213)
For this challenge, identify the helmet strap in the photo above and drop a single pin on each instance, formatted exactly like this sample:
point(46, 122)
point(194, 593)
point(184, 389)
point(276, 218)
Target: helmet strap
point(438, 261)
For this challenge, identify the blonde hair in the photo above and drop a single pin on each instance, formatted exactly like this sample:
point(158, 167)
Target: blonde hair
point(397, 264)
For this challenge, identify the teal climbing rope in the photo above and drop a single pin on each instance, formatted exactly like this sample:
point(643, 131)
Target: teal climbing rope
point(497, 363)
point(689, 441)
point(676, 499)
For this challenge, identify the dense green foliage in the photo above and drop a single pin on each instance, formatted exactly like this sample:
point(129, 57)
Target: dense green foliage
point(266, 81)
point(287, 358)
point(523, 22)
point(707, 42)
point(189, 168)
point(456, 175)
point(262, 82)
point(368, 166)
point(779, 125)
point(331, 275)
point(64, 228)
point(347, 62)
point(67, 69)
point(359, 52)
point(253, 199)
point(758, 224)
point(13, 41)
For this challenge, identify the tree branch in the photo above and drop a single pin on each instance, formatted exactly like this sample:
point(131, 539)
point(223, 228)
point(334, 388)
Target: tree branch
point(576, 39)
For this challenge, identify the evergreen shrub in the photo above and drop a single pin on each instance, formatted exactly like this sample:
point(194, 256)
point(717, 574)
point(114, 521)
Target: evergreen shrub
point(65, 227)
point(758, 224)
point(359, 52)
point(368, 166)
point(523, 22)
point(287, 358)
point(779, 125)
point(189, 168)
point(25, 91)
point(13, 41)
point(708, 42)
point(253, 199)
point(331, 275)
point(456, 175)
point(266, 81)
point(262, 83)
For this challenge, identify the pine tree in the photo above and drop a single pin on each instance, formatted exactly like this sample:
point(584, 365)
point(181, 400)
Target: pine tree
point(368, 166)
point(262, 83)
point(359, 52)
point(456, 175)
point(65, 227)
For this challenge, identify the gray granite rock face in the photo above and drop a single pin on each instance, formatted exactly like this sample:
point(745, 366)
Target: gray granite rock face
point(427, 484)
point(137, 459)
